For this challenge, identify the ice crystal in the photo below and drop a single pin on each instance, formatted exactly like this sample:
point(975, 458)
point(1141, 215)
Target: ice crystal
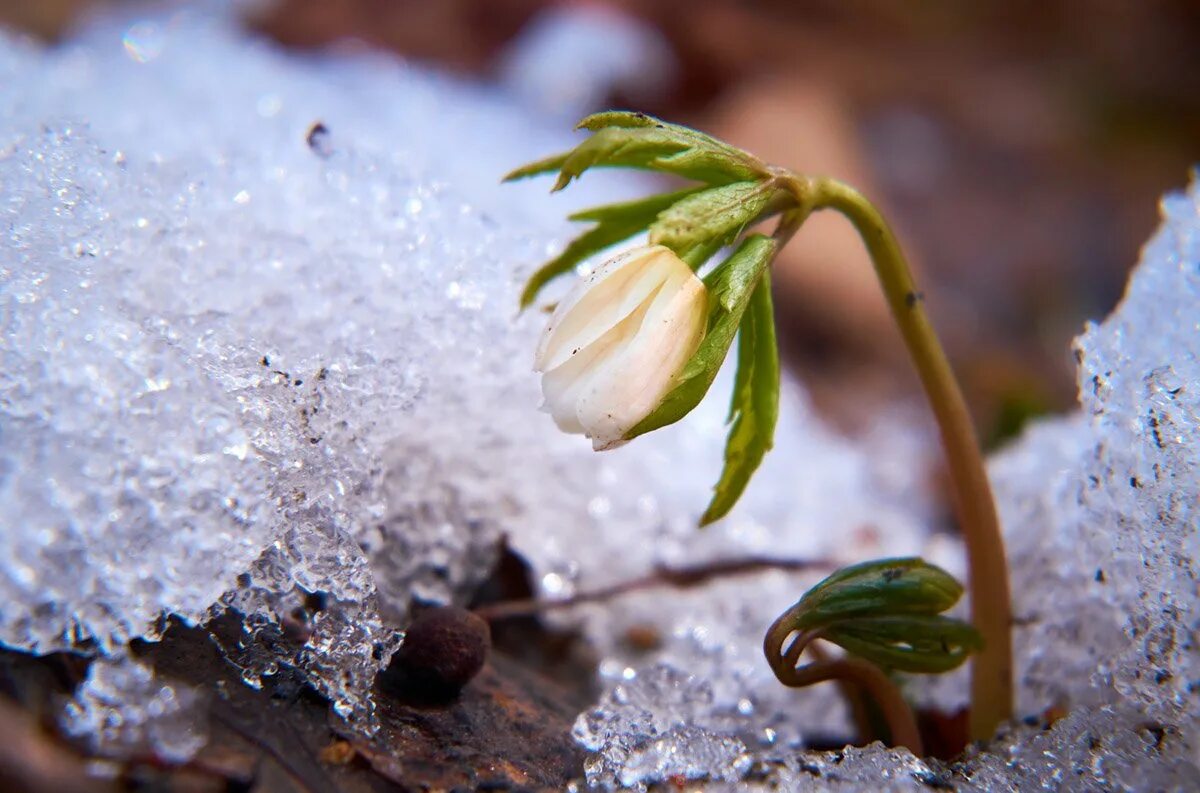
point(122, 708)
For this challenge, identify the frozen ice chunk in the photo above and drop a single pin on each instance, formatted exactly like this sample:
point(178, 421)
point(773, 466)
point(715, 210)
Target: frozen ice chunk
point(659, 730)
point(1101, 508)
point(128, 482)
point(241, 372)
point(1106, 748)
point(310, 602)
point(1140, 387)
point(122, 709)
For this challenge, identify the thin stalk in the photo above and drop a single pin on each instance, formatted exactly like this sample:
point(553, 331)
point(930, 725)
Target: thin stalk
point(676, 577)
point(845, 670)
point(991, 671)
point(856, 701)
point(872, 679)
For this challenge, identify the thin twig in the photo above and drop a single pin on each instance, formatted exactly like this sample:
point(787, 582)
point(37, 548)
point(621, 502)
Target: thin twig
point(676, 577)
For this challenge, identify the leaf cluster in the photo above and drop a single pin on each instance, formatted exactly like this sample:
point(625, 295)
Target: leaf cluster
point(890, 613)
point(736, 191)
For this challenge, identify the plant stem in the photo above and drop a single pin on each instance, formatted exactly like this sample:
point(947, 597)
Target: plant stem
point(856, 701)
point(871, 678)
point(845, 670)
point(991, 672)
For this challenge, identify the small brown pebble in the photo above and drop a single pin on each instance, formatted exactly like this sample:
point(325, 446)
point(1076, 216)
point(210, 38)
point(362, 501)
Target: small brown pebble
point(643, 637)
point(337, 753)
point(443, 649)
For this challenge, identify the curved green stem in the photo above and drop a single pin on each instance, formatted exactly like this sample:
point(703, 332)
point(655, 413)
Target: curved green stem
point(991, 672)
point(872, 679)
point(846, 671)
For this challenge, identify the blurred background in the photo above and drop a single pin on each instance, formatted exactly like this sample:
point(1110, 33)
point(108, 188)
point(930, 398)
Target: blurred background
point(1019, 146)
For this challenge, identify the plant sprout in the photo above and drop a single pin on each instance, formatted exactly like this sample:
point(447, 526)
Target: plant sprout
point(886, 615)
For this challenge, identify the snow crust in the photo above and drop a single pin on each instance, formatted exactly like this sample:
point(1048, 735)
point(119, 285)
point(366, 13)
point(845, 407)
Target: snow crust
point(258, 364)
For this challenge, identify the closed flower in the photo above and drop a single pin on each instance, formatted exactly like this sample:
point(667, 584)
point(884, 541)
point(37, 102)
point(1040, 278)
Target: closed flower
point(615, 344)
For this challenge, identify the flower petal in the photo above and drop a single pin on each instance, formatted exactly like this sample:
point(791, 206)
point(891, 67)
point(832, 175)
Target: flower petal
point(562, 385)
point(600, 301)
point(631, 381)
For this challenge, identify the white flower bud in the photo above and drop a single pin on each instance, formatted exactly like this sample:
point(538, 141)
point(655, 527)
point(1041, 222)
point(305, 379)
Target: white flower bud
point(616, 342)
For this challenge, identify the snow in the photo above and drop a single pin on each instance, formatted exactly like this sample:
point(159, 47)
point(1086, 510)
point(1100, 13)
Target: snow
point(242, 370)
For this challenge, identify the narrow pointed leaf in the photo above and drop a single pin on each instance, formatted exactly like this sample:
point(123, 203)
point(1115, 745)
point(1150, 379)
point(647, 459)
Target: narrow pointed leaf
point(617, 118)
point(649, 207)
point(754, 408)
point(546, 165)
point(628, 119)
point(614, 223)
point(659, 149)
point(635, 140)
point(612, 146)
point(729, 288)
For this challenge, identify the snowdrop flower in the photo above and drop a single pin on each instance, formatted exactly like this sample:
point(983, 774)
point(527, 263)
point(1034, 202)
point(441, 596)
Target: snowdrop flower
point(616, 342)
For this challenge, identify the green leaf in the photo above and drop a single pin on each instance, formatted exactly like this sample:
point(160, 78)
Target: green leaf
point(638, 209)
point(618, 118)
point(634, 140)
point(926, 644)
point(629, 119)
point(712, 218)
point(614, 223)
point(888, 586)
point(729, 288)
point(889, 612)
point(545, 165)
point(754, 408)
point(654, 148)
